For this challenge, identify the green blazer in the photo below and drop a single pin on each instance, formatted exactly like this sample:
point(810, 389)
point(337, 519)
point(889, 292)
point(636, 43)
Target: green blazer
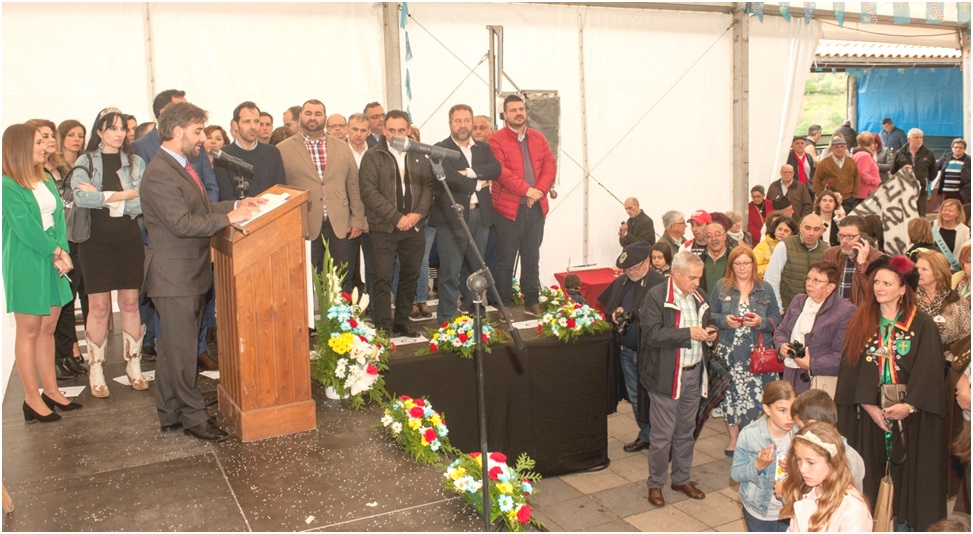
point(30, 282)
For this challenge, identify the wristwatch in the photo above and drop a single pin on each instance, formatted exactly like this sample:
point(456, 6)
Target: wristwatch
point(912, 409)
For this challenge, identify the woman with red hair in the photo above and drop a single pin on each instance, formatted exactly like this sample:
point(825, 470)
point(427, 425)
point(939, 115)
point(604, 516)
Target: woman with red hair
point(891, 341)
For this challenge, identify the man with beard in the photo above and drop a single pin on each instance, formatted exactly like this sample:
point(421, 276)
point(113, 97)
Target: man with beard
point(324, 166)
point(268, 168)
point(180, 221)
point(469, 180)
point(376, 123)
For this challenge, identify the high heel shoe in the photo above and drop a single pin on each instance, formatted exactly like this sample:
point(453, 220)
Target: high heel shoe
point(52, 404)
point(31, 416)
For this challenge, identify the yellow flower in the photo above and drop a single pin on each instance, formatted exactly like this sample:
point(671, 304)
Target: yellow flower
point(512, 514)
point(435, 336)
point(505, 487)
point(450, 332)
point(341, 344)
point(414, 423)
point(479, 461)
point(409, 404)
point(457, 473)
point(436, 420)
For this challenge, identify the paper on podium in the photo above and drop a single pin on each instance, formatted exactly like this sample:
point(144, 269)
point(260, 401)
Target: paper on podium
point(273, 202)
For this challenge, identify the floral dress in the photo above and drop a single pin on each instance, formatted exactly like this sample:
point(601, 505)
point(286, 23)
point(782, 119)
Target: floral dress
point(741, 405)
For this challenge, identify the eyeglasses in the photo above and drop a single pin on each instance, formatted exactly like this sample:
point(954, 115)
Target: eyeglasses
point(848, 237)
point(743, 264)
point(815, 280)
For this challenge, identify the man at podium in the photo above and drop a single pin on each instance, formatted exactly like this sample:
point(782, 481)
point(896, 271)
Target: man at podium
point(179, 220)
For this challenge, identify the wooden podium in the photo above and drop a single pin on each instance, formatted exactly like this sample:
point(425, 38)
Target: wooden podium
point(261, 299)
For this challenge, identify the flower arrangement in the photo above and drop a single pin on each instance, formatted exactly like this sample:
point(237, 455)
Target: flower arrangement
point(552, 297)
point(571, 321)
point(421, 430)
point(350, 355)
point(457, 336)
point(509, 487)
point(518, 297)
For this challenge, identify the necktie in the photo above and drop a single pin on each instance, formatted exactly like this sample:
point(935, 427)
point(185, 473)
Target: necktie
point(802, 172)
point(192, 172)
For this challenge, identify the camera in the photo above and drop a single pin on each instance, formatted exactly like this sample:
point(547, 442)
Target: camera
point(797, 350)
point(623, 320)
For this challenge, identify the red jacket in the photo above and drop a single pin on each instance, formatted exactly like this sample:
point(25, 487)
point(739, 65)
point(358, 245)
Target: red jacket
point(510, 187)
point(756, 222)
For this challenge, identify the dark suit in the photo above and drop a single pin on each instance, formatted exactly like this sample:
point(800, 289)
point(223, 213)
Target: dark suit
point(454, 253)
point(179, 220)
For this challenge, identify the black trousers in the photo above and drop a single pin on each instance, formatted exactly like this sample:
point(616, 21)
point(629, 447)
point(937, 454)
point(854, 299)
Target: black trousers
point(177, 400)
point(523, 236)
point(65, 333)
point(337, 245)
point(409, 246)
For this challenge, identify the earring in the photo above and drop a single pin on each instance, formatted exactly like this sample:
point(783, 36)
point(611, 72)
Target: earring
point(101, 145)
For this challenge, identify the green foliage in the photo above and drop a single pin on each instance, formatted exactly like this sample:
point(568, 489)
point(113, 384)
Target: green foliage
point(825, 102)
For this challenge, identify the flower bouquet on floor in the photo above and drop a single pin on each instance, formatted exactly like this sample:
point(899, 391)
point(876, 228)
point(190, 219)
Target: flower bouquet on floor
point(552, 298)
point(421, 430)
point(571, 321)
point(457, 336)
point(518, 296)
point(509, 487)
point(350, 356)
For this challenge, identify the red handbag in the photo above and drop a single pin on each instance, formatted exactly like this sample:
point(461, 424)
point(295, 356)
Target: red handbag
point(764, 360)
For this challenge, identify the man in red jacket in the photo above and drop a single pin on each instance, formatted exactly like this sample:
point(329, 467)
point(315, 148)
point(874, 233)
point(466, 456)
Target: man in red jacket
point(520, 201)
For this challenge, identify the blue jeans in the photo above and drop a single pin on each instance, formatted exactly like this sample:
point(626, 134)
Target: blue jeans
point(629, 361)
point(759, 525)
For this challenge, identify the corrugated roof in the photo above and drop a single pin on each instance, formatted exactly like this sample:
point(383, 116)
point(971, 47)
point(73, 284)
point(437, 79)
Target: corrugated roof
point(830, 49)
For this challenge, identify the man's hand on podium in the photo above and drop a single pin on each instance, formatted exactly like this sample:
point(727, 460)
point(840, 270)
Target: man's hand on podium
point(246, 209)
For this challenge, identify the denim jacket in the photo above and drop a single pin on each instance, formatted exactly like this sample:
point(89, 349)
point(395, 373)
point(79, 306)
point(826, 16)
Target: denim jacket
point(130, 176)
point(725, 301)
point(756, 487)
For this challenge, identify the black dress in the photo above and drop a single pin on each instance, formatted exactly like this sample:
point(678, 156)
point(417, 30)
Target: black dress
point(919, 480)
point(114, 256)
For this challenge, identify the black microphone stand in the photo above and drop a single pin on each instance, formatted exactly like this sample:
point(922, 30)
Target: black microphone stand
point(478, 282)
point(241, 185)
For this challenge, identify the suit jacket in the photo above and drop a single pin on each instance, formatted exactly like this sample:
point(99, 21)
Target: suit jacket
point(486, 167)
point(338, 190)
point(379, 176)
point(147, 146)
point(179, 220)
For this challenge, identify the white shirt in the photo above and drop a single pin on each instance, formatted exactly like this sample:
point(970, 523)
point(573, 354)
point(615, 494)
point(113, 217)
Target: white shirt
point(803, 325)
point(358, 155)
point(47, 204)
point(468, 154)
point(400, 160)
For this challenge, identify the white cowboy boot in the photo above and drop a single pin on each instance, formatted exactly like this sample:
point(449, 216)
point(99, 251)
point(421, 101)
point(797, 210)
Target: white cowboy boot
point(96, 375)
point(133, 359)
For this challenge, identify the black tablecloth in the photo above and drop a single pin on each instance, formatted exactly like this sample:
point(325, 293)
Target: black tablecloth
point(548, 401)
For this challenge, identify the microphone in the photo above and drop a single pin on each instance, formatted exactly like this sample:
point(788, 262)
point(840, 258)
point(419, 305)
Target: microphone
point(235, 163)
point(404, 144)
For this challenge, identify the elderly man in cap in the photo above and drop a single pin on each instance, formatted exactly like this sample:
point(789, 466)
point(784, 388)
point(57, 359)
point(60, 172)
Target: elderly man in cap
point(622, 299)
point(838, 172)
point(801, 162)
point(797, 194)
point(697, 223)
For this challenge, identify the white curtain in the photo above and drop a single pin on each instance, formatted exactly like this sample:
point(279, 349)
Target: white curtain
point(781, 54)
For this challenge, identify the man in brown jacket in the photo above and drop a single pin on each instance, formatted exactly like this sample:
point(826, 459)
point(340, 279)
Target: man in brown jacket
point(325, 166)
point(852, 257)
point(838, 173)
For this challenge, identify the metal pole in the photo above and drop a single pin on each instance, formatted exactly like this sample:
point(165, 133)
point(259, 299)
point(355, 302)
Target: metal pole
point(740, 189)
point(584, 141)
point(150, 63)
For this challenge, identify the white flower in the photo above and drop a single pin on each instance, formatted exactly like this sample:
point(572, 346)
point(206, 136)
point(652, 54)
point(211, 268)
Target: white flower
point(542, 298)
point(315, 355)
point(563, 322)
point(396, 427)
point(387, 420)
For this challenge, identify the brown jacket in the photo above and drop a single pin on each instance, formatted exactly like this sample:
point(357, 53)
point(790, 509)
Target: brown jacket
point(844, 180)
point(835, 257)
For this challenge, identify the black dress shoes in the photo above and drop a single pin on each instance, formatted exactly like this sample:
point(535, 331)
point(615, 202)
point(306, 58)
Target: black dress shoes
point(206, 431)
point(52, 404)
point(31, 416)
point(167, 429)
point(148, 353)
point(61, 370)
point(404, 331)
point(636, 446)
point(74, 365)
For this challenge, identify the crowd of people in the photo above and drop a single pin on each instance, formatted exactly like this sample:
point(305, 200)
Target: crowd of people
point(132, 210)
point(871, 373)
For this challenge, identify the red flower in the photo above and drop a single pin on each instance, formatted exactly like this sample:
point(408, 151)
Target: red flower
point(494, 473)
point(433, 347)
point(416, 412)
point(498, 457)
point(445, 324)
point(462, 337)
point(577, 306)
point(554, 287)
point(363, 338)
point(391, 346)
point(523, 515)
point(404, 397)
point(430, 435)
point(352, 323)
point(345, 296)
point(540, 329)
point(572, 323)
point(371, 369)
point(420, 402)
point(474, 455)
point(485, 338)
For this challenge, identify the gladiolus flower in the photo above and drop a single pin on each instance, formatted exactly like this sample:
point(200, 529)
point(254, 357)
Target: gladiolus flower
point(555, 287)
point(352, 323)
point(345, 296)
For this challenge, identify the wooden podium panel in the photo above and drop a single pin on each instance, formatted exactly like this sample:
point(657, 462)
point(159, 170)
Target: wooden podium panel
point(261, 312)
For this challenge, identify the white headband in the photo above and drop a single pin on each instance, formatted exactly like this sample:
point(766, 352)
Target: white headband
point(810, 436)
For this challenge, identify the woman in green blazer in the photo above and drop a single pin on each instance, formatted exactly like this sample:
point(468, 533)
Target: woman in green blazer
point(35, 267)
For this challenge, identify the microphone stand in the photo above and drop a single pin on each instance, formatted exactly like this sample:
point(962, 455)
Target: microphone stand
point(241, 185)
point(478, 282)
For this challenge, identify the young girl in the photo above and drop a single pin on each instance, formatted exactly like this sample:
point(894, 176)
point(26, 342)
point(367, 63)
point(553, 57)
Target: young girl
point(760, 453)
point(819, 495)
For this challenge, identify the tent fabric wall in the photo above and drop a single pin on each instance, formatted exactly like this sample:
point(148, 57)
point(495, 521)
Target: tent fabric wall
point(928, 99)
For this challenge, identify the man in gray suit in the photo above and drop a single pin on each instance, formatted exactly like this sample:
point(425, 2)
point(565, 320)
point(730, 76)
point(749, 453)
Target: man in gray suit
point(179, 220)
point(325, 167)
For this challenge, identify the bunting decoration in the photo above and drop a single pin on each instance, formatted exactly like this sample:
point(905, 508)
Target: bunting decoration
point(785, 10)
point(869, 13)
point(839, 13)
point(408, 57)
point(408, 48)
point(756, 9)
point(934, 12)
point(900, 13)
point(404, 16)
point(808, 12)
point(963, 12)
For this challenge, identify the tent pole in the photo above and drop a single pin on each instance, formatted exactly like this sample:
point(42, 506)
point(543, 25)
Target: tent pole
point(584, 139)
point(393, 55)
point(740, 189)
point(150, 63)
point(965, 41)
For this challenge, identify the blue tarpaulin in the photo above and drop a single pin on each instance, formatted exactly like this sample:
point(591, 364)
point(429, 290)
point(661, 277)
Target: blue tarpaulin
point(924, 98)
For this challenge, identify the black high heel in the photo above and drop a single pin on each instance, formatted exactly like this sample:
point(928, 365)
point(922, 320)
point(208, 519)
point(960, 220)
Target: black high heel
point(52, 404)
point(31, 416)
